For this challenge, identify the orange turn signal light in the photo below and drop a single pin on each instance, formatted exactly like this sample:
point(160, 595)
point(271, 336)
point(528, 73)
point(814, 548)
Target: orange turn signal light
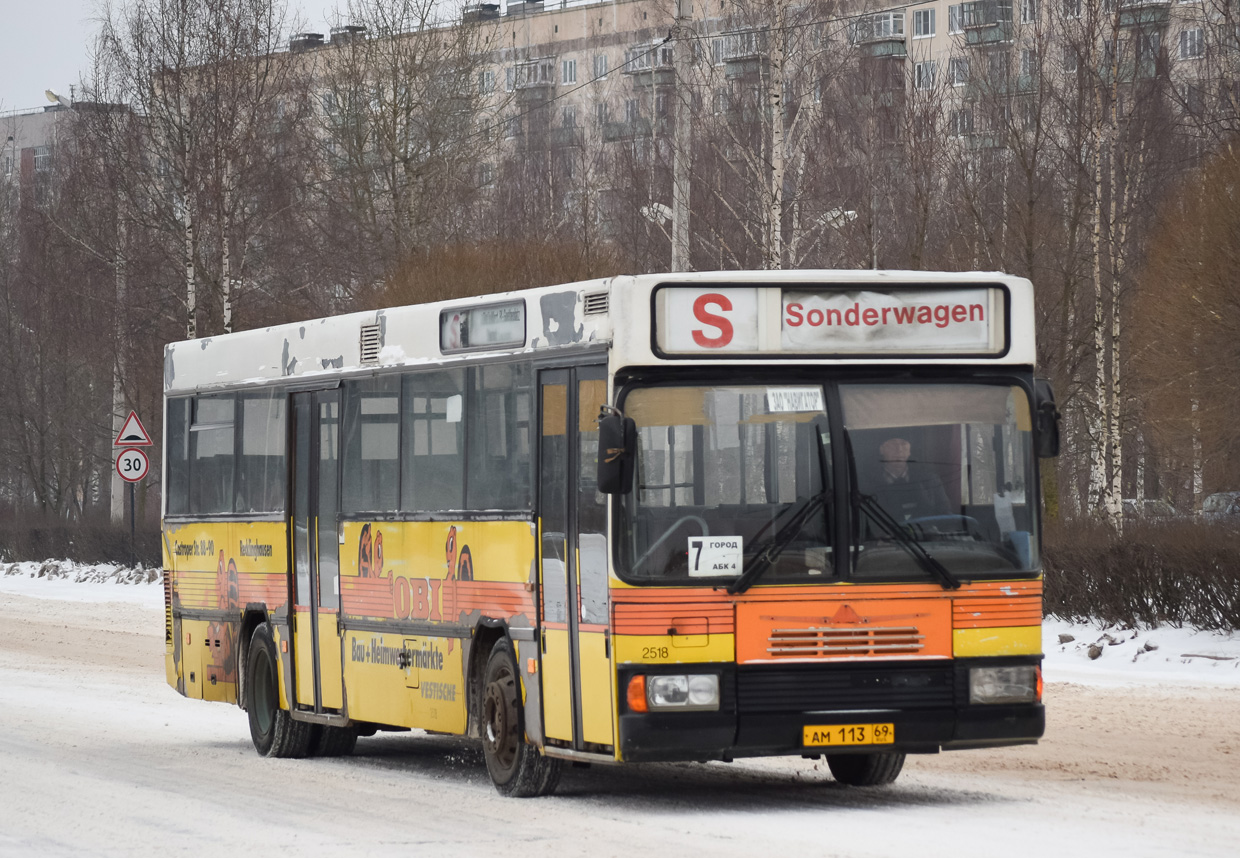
point(637, 693)
point(1038, 688)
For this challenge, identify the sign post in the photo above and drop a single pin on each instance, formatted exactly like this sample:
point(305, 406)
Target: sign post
point(132, 464)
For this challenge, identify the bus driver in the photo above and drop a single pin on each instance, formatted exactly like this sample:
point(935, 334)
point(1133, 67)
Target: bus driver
point(906, 489)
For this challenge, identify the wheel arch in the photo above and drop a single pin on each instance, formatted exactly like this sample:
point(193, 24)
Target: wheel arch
point(486, 633)
point(255, 614)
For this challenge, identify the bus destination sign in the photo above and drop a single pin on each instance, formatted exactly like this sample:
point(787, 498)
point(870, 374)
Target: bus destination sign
point(490, 326)
point(968, 320)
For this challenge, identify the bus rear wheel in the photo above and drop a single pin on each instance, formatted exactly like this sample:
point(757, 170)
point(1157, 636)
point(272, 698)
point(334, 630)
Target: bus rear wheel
point(865, 769)
point(273, 730)
point(516, 767)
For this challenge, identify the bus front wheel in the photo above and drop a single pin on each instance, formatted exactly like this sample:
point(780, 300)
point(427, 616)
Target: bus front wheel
point(516, 767)
point(273, 729)
point(865, 769)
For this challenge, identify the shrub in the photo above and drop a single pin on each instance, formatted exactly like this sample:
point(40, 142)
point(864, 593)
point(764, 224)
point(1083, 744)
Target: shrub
point(1181, 572)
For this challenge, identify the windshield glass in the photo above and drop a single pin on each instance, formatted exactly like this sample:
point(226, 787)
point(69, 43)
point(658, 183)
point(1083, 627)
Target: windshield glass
point(733, 480)
point(943, 465)
point(723, 474)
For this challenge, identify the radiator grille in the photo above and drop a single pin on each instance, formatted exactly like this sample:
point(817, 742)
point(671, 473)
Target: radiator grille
point(834, 640)
point(812, 687)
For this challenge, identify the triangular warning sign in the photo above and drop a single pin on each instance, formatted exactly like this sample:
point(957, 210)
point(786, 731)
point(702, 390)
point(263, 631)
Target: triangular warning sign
point(133, 433)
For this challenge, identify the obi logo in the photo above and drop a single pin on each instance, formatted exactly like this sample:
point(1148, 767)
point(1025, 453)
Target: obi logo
point(719, 330)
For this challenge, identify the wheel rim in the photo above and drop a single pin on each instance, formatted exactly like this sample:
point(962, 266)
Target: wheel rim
point(500, 719)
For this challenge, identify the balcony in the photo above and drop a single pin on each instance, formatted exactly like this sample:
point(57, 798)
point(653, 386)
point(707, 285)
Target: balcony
point(532, 75)
point(986, 22)
point(880, 35)
point(1144, 13)
point(630, 130)
point(565, 137)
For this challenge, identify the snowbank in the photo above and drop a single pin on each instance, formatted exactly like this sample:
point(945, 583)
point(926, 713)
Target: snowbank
point(1078, 653)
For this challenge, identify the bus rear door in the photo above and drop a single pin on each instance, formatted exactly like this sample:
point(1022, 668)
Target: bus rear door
point(316, 550)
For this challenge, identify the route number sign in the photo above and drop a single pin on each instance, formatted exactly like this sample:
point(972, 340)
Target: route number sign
point(132, 464)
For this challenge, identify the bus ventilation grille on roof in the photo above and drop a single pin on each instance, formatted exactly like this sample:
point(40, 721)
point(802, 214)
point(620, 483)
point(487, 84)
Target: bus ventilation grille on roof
point(595, 304)
point(370, 343)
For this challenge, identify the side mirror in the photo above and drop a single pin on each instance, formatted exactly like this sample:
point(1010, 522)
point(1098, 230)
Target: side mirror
point(1045, 420)
point(617, 453)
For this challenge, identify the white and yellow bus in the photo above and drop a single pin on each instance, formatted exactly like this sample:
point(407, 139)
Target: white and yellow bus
point(682, 517)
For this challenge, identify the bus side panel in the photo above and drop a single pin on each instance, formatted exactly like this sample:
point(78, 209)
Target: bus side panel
point(433, 583)
point(217, 569)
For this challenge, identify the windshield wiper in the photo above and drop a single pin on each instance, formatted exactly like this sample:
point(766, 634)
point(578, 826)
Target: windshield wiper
point(870, 505)
point(765, 559)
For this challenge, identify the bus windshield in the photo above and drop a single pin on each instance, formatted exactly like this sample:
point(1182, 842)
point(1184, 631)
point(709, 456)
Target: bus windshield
point(936, 483)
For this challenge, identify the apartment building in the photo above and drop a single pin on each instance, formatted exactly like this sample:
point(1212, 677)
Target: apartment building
point(611, 64)
point(29, 137)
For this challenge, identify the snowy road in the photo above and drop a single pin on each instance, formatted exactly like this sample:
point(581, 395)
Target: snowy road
point(99, 757)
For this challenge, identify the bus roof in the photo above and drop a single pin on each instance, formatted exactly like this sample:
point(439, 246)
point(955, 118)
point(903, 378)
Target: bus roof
point(645, 320)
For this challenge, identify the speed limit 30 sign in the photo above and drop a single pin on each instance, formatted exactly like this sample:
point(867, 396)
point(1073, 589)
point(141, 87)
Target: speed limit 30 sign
point(132, 464)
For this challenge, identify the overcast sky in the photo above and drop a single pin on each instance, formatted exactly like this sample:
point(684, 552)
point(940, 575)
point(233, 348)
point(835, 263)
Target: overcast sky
point(45, 44)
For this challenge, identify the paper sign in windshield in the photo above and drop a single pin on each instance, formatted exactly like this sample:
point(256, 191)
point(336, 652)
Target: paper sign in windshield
point(793, 400)
point(715, 556)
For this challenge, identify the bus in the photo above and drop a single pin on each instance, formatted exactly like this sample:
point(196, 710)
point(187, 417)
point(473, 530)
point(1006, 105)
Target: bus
point(682, 517)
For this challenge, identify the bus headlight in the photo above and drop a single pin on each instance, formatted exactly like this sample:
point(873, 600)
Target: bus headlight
point(683, 692)
point(1015, 684)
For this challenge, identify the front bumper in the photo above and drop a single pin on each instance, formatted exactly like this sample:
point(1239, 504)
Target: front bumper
point(765, 708)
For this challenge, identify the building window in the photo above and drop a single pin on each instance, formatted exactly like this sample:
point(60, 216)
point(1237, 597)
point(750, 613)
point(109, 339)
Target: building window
point(1072, 8)
point(568, 71)
point(961, 123)
point(570, 117)
point(510, 79)
point(923, 23)
point(486, 175)
point(998, 62)
point(1028, 62)
point(632, 110)
point(1192, 47)
point(486, 81)
point(720, 101)
point(1070, 60)
point(601, 113)
point(1028, 11)
point(959, 70)
point(924, 75)
point(660, 105)
point(953, 20)
point(600, 65)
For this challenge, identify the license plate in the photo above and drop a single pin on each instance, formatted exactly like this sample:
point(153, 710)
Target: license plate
point(832, 735)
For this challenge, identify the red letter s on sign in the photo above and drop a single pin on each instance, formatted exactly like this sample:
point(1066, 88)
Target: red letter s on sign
point(702, 315)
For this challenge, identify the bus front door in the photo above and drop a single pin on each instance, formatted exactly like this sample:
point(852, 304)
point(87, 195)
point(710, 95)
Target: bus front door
point(577, 675)
point(316, 550)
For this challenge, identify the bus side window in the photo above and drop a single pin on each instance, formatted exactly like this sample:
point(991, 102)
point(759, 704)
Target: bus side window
point(177, 456)
point(211, 455)
point(499, 437)
point(371, 464)
point(260, 468)
point(433, 441)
